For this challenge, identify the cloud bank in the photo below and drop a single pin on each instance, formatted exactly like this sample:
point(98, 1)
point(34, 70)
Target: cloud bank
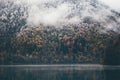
point(60, 13)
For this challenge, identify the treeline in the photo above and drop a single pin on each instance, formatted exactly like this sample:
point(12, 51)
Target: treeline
point(59, 46)
point(72, 44)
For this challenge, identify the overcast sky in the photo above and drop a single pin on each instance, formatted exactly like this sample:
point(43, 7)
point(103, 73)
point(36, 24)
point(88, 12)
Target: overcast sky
point(114, 4)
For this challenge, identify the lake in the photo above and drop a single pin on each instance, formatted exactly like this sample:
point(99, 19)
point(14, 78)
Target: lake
point(59, 72)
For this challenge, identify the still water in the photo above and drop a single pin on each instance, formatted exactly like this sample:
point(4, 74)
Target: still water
point(59, 72)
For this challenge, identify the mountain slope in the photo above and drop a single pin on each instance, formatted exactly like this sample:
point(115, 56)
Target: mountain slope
point(58, 31)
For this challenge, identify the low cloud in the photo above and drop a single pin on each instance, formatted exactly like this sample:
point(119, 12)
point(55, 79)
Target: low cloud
point(59, 13)
point(49, 15)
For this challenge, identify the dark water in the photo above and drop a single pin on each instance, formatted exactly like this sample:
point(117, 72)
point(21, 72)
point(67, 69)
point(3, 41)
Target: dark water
point(63, 72)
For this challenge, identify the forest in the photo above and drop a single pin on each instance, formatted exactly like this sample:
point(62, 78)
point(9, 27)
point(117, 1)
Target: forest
point(59, 46)
point(73, 44)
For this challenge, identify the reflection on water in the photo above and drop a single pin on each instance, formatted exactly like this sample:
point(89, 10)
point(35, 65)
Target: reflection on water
point(59, 73)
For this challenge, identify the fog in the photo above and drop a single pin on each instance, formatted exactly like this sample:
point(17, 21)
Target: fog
point(69, 12)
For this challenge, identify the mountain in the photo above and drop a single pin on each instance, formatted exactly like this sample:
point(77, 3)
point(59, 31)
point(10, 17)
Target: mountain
point(58, 32)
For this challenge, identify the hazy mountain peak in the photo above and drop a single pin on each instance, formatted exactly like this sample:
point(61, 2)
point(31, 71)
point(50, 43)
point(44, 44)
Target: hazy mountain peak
point(59, 13)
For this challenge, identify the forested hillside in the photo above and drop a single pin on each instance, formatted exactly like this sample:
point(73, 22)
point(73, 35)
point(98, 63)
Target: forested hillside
point(85, 42)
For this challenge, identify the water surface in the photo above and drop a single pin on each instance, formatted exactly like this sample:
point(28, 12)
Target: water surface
point(59, 72)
